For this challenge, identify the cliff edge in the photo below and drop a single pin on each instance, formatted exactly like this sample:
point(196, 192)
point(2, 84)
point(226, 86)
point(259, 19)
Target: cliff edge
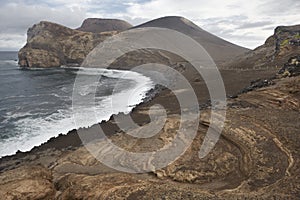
point(52, 45)
point(278, 48)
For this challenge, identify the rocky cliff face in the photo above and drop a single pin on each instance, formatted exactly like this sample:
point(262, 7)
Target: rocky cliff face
point(278, 48)
point(96, 25)
point(53, 45)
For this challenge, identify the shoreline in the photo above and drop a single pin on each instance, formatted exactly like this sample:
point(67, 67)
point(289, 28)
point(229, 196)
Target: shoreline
point(71, 140)
point(138, 86)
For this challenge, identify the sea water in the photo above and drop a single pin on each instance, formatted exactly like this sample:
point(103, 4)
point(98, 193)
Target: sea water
point(36, 104)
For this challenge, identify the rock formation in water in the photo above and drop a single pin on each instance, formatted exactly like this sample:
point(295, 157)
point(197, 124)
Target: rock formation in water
point(52, 45)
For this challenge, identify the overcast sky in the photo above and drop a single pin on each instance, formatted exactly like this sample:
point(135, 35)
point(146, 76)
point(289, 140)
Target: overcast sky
point(246, 23)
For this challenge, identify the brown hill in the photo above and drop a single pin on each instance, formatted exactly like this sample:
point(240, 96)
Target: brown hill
point(277, 50)
point(96, 25)
point(220, 50)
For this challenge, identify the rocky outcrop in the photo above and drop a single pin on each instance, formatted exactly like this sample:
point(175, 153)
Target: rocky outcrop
point(291, 68)
point(278, 48)
point(52, 45)
point(96, 25)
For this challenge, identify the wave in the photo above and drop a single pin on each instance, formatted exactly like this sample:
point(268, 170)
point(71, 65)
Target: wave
point(10, 61)
point(111, 73)
point(35, 131)
point(29, 96)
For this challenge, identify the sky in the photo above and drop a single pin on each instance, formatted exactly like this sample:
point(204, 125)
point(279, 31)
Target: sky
point(246, 23)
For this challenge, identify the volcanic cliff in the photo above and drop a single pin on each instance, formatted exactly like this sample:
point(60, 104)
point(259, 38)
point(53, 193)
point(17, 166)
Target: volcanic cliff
point(52, 45)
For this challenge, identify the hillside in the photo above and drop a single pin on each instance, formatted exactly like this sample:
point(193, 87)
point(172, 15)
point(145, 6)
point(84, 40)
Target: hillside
point(220, 50)
point(277, 50)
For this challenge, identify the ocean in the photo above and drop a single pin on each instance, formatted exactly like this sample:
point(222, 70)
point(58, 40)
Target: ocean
point(36, 104)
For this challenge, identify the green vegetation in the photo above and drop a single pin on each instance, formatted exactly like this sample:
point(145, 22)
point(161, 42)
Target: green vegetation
point(284, 42)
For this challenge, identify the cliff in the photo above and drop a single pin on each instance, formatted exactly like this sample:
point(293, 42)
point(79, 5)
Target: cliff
point(278, 48)
point(52, 45)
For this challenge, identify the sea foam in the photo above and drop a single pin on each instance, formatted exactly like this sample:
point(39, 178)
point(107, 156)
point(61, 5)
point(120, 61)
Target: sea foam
point(35, 131)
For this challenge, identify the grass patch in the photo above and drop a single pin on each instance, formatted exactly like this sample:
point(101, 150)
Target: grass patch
point(284, 42)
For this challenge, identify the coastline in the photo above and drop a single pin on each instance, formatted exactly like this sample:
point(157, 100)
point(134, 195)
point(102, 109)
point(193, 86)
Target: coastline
point(157, 95)
point(138, 86)
point(71, 141)
point(72, 172)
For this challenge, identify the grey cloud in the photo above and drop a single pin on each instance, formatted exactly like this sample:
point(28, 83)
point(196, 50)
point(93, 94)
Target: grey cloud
point(234, 19)
point(17, 15)
point(247, 25)
point(277, 7)
point(269, 28)
point(17, 18)
point(233, 24)
point(12, 41)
